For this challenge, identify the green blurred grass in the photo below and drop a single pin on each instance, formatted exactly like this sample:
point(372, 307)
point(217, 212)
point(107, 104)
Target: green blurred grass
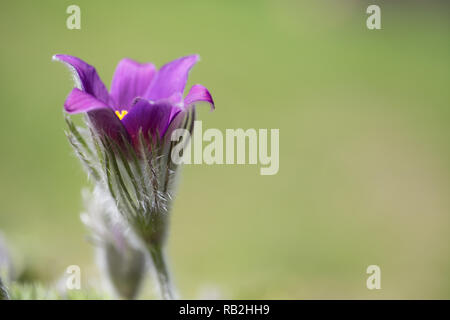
point(364, 154)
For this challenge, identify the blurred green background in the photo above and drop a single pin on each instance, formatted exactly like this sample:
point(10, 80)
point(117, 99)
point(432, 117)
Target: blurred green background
point(364, 142)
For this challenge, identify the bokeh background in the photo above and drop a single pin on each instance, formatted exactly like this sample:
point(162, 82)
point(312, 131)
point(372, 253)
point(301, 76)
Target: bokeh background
point(364, 142)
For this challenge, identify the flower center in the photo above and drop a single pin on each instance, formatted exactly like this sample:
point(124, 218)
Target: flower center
point(121, 114)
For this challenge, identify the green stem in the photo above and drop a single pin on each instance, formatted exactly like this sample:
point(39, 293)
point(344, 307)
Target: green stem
point(162, 273)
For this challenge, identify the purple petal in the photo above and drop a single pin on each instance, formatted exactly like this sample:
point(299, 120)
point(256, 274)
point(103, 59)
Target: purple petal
point(150, 117)
point(176, 122)
point(102, 118)
point(85, 76)
point(80, 101)
point(171, 78)
point(196, 94)
point(106, 122)
point(131, 79)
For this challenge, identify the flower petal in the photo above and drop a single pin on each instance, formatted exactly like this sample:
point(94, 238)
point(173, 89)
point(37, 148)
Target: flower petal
point(196, 94)
point(85, 76)
point(150, 117)
point(106, 122)
point(80, 101)
point(131, 79)
point(171, 78)
point(102, 118)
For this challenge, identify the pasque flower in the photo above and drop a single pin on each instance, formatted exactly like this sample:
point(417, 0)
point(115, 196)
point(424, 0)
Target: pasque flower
point(126, 148)
point(140, 98)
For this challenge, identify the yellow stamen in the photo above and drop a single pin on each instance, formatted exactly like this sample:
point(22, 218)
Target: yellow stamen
point(121, 114)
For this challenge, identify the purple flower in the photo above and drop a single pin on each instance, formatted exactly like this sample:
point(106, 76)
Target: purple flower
point(141, 97)
point(142, 103)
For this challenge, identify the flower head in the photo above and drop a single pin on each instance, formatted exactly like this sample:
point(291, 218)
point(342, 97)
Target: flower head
point(141, 97)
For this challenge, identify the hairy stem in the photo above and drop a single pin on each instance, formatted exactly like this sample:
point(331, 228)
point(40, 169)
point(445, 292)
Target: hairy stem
point(162, 273)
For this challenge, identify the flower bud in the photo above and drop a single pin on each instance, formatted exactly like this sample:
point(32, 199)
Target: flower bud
point(121, 260)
